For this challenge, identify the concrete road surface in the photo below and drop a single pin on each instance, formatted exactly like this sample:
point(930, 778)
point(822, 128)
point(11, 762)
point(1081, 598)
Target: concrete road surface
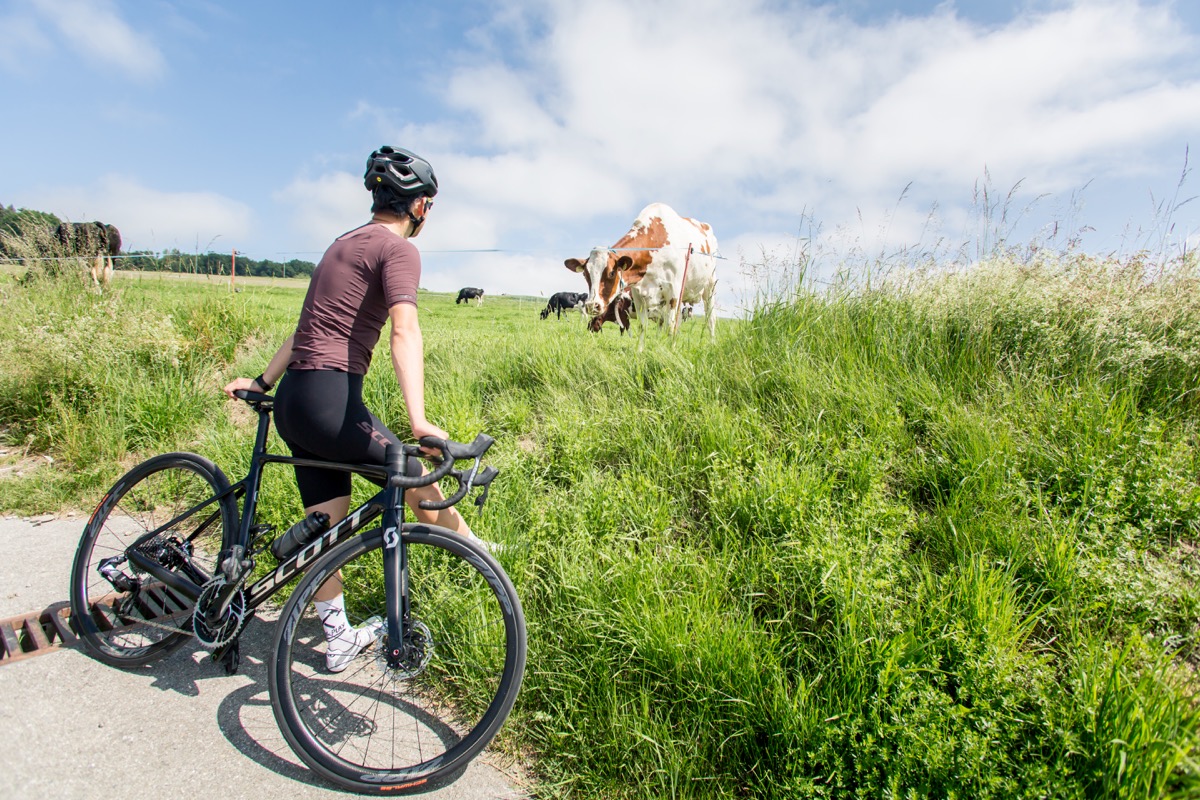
point(71, 727)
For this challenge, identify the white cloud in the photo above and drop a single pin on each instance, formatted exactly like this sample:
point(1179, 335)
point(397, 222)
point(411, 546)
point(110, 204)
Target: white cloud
point(531, 188)
point(150, 219)
point(96, 29)
point(320, 209)
point(496, 273)
point(766, 108)
point(1044, 96)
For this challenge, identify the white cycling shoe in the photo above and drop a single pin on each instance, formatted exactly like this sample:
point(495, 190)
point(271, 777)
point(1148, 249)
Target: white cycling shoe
point(495, 548)
point(342, 650)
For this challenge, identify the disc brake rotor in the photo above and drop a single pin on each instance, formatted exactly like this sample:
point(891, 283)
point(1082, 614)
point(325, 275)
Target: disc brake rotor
point(418, 650)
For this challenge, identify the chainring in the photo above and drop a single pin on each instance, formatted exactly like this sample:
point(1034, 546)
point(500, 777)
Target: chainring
point(231, 623)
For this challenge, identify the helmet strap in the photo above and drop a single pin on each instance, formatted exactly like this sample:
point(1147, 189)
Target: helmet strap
point(418, 221)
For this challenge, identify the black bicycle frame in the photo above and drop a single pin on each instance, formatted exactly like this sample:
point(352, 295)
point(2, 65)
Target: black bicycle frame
point(389, 502)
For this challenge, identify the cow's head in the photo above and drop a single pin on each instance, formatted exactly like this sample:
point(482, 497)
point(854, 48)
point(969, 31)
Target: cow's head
point(607, 274)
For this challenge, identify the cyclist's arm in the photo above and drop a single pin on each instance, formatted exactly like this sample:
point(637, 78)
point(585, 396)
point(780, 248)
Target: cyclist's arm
point(408, 359)
point(274, 371)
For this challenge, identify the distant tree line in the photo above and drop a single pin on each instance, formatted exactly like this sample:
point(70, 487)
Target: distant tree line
point(20, 223)
point(213, 264)
point(14, 221)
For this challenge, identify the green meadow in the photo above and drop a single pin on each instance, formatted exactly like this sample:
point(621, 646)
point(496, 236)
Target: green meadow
point(935, 536)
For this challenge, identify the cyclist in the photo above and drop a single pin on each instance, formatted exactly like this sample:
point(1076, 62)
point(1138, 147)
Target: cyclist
point(367, 276)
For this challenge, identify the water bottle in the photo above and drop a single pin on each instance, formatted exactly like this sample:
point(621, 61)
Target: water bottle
point(299, 535)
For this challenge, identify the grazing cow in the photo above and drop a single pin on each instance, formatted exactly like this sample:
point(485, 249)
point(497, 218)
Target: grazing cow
point(617, 311)
point(470, 293)
point(93, 240)
point(563, 301)
point(651, 261)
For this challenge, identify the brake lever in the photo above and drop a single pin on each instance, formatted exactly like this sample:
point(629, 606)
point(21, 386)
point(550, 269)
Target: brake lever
point(485, 480)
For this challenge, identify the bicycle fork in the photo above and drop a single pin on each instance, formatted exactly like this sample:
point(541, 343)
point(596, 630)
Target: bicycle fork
point(395, 564)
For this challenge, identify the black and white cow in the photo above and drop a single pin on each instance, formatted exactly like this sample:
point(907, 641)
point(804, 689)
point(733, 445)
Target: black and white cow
point(563, 301)
point(93, 240)
point(469, 293)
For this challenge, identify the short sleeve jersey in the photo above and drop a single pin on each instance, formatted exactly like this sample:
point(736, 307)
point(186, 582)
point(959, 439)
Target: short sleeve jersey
point(362, 275)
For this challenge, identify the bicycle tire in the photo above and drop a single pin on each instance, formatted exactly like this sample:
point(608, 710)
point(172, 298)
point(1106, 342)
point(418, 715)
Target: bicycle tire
point(130, 629)
point(375, 730)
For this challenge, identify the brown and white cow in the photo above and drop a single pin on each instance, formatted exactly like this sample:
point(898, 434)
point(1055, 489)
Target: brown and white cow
point(649, 262)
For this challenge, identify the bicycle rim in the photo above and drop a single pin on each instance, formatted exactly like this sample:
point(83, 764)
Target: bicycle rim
point(374, 728)
point(128, 629)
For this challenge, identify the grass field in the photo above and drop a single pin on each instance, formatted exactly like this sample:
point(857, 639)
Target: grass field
point(934, 539)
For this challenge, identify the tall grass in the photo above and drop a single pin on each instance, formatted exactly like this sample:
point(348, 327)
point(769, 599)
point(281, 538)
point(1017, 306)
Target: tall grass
point(935, 538)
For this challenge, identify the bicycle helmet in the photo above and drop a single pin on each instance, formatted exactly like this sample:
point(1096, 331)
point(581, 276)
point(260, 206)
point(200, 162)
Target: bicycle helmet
point(404, 172)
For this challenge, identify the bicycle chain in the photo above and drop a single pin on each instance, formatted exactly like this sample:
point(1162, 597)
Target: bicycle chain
point(159, 625)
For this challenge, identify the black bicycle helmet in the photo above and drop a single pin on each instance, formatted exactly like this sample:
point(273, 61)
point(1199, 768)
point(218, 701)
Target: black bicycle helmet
point(404, 172)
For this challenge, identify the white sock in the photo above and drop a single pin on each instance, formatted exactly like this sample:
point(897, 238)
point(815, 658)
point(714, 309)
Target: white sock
point(333, 617)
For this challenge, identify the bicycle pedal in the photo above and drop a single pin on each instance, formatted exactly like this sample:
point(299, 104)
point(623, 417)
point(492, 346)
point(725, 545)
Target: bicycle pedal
point(230, 657)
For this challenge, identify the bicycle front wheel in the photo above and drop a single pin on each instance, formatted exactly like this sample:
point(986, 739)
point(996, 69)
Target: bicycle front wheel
point(124, 615)
point(377, 728)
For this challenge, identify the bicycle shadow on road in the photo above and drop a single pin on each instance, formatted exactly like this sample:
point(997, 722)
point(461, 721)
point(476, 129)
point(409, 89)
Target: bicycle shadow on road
point(244, 712)
point(244, 715)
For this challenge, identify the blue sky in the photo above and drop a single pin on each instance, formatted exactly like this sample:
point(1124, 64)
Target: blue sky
point(864, 126)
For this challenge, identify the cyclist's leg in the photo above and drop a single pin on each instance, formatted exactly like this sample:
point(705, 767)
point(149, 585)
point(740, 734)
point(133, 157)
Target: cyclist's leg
point(337, 508)
point(320, 414)
point(329, 491)
point(343, 639)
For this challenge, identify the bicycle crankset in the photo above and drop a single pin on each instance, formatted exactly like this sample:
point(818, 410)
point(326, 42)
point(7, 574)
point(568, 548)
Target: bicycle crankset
point(230, 625)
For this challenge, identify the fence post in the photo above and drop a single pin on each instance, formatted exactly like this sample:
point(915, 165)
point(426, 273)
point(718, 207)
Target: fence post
point(678, 316)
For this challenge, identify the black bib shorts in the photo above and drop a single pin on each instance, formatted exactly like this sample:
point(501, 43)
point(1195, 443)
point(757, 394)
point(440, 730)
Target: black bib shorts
point(320, 415)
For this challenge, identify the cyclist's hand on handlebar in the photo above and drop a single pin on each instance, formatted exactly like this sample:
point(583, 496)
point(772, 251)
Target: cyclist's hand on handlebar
point(427, 428)
point(245, 384)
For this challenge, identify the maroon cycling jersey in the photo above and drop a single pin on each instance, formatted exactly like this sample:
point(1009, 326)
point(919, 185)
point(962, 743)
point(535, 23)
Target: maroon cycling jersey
point(362, 275)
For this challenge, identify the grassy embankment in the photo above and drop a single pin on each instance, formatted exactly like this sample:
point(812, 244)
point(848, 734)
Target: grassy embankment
point(931, 540)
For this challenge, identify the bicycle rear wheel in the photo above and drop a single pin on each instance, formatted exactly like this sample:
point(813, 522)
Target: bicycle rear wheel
point(378, 729)
point(130, 618)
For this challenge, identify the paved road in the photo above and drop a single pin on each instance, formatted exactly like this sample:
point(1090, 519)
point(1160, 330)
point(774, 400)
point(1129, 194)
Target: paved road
point(75, 728)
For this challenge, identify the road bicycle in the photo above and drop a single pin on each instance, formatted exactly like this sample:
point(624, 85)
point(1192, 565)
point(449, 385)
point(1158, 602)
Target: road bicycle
point(166, 556)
